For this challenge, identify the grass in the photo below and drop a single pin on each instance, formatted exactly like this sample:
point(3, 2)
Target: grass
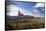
point(25, 24)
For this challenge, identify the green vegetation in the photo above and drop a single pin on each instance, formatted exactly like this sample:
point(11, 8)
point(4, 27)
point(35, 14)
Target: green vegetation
point(25, 24)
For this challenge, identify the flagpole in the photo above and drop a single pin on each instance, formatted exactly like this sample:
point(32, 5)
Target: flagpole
point(18, 19)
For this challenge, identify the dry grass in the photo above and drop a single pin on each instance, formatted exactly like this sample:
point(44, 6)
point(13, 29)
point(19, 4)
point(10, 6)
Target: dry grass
point(25, 24)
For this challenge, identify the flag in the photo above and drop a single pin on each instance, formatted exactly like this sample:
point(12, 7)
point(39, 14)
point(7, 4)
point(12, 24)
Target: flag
point(20, 14)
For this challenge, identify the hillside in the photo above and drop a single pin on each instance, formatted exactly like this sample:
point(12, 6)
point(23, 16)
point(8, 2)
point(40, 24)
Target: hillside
point(25, 22)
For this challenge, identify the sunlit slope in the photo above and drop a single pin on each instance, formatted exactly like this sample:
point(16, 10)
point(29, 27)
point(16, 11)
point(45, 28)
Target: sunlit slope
point(26, 23)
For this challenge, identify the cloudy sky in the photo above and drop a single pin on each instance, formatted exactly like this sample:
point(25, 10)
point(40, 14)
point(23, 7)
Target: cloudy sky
point(27, 8)
point(30, 0)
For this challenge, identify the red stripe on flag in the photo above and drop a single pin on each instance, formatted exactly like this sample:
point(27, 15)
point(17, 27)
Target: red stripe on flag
point(20, 14)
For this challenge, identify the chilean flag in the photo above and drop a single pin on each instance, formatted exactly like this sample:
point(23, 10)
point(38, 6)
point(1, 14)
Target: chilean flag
point(20, 14)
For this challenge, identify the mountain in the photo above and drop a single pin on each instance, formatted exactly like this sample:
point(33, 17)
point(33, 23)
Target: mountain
point(18, 17)
point(25, 17)
point(15, 18)
point(11, 17)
